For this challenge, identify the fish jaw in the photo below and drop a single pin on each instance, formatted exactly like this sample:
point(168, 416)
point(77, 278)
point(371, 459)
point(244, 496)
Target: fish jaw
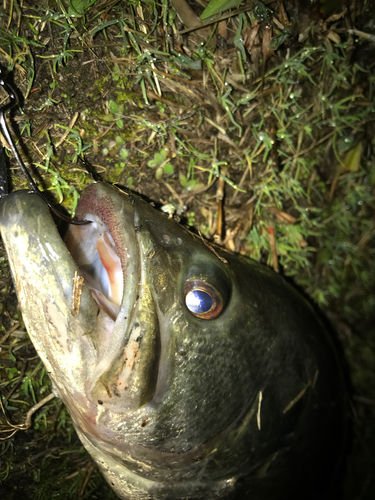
point(84, 354)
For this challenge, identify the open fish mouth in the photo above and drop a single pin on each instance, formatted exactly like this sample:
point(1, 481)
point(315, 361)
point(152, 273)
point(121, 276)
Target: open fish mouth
point(100, 346)
point(104, 250)
point(107, 254)
point(95, 253)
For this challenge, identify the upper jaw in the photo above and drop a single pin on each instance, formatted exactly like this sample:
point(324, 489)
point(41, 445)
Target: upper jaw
point(43, 271)
point(84, 354)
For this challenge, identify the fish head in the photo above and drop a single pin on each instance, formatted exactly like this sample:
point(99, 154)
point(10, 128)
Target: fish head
point(164, 353)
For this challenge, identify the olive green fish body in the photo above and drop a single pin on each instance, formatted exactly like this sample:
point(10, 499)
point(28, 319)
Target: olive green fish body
point(189, 374)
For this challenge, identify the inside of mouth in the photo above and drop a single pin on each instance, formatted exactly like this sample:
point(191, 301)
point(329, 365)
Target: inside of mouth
point(94, 251)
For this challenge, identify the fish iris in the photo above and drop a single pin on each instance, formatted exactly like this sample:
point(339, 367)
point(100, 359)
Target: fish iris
point(198, 301)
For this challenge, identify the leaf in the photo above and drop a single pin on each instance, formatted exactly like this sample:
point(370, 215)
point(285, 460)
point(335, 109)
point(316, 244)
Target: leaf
point(159, 173)
point(280, 39)
point(191, 184)
point(186, 13)
point(12, 372)
point(238, 39)
point(152, 163)
point(164, 153)
point(267, 37)
point(113, 106)
point(294, 237)
point(262, 13)
point(103, 26)
point(183, 180)
point(352, 158)
point(108, 118)
point(168, 169)
point(283, 216)
point(77, 8)
point(187, 62)
point(217, 6)
point(124, 153)
point(158, 159)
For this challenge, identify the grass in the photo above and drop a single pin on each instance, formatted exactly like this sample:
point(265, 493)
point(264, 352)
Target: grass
point(167, 114)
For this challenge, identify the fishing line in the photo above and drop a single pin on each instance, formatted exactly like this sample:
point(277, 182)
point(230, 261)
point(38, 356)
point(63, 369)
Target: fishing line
point(3, 177)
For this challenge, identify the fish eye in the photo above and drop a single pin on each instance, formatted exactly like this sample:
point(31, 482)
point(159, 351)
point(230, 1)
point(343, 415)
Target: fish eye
point(202, 299)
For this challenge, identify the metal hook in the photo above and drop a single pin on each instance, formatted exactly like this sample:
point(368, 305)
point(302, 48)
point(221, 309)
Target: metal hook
point(3, 180)
point(94, 176)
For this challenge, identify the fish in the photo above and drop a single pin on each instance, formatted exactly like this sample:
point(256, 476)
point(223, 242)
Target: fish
point(189, 372)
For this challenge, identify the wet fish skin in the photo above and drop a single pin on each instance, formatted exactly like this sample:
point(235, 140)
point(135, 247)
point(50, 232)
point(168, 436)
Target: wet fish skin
point(247, 405)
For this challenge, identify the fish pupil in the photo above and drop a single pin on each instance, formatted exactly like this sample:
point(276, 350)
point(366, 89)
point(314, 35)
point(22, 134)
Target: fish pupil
point(199, 301)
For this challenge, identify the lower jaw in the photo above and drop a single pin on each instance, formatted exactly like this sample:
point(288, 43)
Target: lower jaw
point(172, 484)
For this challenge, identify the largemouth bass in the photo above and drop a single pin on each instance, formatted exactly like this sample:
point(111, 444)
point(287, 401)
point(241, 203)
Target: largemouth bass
point(189, 373)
